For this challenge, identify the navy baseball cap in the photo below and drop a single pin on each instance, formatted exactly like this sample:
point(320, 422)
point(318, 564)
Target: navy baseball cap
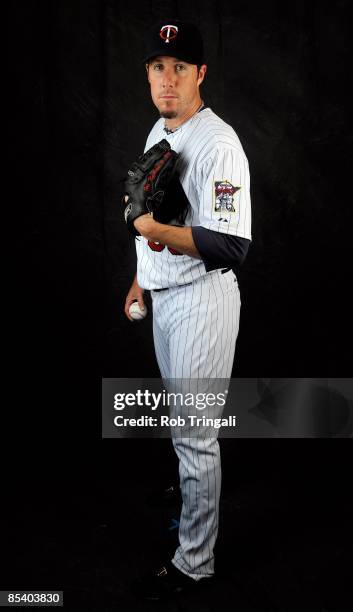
point(175, 38)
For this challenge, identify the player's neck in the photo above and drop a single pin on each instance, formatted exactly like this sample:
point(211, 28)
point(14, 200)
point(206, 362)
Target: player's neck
point(173, 124)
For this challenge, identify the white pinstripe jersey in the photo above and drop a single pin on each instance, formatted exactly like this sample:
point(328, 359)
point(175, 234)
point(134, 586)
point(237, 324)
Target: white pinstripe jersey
point(214, 173)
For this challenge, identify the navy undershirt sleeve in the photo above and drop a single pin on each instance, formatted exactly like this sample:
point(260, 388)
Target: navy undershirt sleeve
point(219, 250)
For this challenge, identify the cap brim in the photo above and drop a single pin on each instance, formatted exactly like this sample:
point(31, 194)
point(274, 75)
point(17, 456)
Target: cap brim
point(171, 53)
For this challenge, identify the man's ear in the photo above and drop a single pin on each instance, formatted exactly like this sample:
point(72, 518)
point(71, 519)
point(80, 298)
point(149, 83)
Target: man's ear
point(201, 74)
point(147, 66)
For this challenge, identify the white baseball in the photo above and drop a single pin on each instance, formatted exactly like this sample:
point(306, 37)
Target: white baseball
point(136, 313)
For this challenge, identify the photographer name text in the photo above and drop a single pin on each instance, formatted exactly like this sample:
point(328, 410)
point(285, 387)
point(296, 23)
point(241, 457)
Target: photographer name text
point(166, 421)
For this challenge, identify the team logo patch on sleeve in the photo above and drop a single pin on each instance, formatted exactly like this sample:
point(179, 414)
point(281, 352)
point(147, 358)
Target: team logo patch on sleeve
point(224, 193)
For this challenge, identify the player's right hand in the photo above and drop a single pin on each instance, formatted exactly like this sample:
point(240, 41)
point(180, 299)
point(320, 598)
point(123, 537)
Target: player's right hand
point(135, 293)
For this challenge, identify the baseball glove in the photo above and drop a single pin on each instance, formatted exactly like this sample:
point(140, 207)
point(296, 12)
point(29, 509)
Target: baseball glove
point(147, 183)
point(175, 204)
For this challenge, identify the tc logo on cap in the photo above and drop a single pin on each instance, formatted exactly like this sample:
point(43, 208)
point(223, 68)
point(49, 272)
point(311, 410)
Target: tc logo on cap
point(168, 32)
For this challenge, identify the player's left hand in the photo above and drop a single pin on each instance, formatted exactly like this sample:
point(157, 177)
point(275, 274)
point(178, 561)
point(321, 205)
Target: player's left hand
point(147, 182)
point(144, 223)
point(146, 226)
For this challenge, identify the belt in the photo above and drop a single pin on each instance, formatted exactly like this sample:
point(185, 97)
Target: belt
point(166, 288)
point(186, 284)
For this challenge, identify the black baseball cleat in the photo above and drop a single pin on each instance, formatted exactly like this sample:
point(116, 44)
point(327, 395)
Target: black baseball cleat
point(166, 582)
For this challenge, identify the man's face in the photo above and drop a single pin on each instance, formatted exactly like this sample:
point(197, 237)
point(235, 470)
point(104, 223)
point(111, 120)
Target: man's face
point(174, 85)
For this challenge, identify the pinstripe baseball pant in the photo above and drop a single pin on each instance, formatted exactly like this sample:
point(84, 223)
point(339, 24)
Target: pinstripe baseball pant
point(195, 328)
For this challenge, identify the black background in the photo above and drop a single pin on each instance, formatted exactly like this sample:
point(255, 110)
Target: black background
point(81, 112)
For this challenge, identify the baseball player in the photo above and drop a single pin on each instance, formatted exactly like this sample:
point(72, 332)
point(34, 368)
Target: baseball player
point(190, 269)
